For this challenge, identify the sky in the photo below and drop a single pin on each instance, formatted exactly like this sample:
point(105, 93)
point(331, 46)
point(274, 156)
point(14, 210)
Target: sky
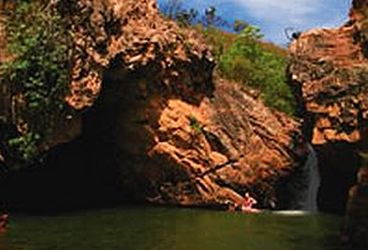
point(274, 16)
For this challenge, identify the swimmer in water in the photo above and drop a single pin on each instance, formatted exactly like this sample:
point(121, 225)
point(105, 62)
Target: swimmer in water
point(248, 203)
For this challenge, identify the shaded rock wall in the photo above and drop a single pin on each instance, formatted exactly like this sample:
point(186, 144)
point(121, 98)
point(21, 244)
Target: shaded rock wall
point(152, 111)
point(329, 74)
point(130, 34)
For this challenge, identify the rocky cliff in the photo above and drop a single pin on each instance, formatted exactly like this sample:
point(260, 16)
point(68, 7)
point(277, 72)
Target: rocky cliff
point(329, 74)
point(147, 106)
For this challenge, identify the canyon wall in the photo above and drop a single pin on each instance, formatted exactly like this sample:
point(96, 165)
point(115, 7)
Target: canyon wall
point(329, 75)
point(147, 106)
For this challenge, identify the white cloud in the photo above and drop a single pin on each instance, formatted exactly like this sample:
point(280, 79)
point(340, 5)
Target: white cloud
point(274, 16)
point(282, 11)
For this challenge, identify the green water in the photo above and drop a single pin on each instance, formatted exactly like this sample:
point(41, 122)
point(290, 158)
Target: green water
point(134, 228)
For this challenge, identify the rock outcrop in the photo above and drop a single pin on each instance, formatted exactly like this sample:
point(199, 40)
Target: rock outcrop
point(329, 71)
point(174, 134)
point(208, 153)
point(355, 227)
point(329, 74)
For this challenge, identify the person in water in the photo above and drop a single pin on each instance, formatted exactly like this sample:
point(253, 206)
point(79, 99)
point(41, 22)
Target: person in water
point(3, 222)
point(248, 203)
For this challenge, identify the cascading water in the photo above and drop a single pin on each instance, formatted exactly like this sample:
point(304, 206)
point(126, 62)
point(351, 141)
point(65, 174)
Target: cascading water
point(304, 186)
point(307, 181)
point(308, 201)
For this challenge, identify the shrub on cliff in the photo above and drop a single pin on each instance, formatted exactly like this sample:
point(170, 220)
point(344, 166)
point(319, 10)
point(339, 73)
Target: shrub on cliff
point(38, 75)
point(250, 62)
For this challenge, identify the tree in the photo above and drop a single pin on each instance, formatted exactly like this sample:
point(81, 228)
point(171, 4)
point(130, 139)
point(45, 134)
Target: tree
point(174, 9)
point(171, 8)
point(248, 62)
point(211, 19)
point(39, 72)
point(187, 17)
point(239, 25)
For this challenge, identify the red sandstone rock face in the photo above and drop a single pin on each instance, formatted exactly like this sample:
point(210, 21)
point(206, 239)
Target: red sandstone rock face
point(207, 153)
point(130, 34)
point(134, 34)
point(329, 71)
point(356, 14)
point(177, 139)
point(176, 136)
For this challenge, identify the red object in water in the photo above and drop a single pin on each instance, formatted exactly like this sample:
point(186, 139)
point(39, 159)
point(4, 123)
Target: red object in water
point(3, 222)
point(247, 204)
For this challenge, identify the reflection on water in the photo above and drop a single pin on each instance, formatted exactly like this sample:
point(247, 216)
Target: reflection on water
point(140, 228)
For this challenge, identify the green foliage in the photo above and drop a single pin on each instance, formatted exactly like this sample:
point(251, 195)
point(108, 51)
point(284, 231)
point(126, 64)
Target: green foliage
point(25, 146)
point(195, 125)
point(39, 71)
point(242, 57)
point(248, 62)
point(239, 25)
point(174, 9)
point(219, 40)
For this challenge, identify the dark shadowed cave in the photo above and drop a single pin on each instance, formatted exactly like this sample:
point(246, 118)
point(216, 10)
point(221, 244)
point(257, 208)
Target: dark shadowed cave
point(82, 173)
point(338, 165)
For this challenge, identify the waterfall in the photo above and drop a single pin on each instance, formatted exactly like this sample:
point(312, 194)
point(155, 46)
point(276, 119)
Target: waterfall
point(304, 187)
point(307, 198)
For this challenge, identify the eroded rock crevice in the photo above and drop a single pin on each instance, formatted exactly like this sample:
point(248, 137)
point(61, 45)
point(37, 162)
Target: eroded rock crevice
point(154, 126)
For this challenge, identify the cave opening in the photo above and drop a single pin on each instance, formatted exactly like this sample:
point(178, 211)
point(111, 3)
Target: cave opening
point(338, 164)
point(85, 172)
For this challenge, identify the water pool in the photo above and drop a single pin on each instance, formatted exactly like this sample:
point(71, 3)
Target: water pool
point(152, 228)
